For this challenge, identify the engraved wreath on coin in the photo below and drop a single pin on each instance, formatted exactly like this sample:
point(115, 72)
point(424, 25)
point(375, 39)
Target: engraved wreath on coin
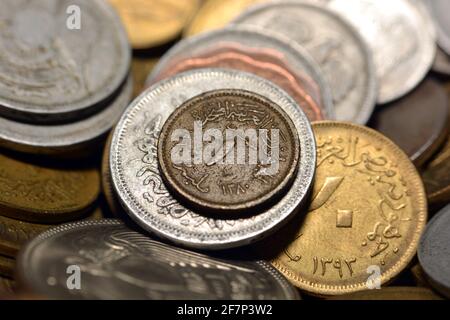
point(228, 149)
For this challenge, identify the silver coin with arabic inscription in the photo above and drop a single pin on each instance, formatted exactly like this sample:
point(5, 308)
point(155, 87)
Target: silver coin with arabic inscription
point(136, 174)
point(401, 40)
point(119, 263)
point(59, 59)
point(342, 54)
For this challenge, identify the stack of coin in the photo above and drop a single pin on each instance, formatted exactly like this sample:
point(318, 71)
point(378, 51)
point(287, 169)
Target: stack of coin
point(251, 140)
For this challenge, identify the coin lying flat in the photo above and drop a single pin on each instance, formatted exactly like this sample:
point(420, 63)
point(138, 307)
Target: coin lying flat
point(262, 53)
point(219, 181)
point(7, 266)
point(436, 177)
point(215, 14)
point(115, 261)
point(40, 194)
point(367, 213)
point(427, 112)
point(439, 10)
point(434, 253)
point(392, 293)
point(442, 62)
point(402, 44)
point(137, 179)
point(153, 23)
point(75, 138)
point(343, 56)
point(60, 59)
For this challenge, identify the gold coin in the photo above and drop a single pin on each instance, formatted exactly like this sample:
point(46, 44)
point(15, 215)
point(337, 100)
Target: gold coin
point(367, 213)
point(140, 69)
point(215, 14)
point(151, 23)
point(392, 293)
point(7, 266)
point(35, 193)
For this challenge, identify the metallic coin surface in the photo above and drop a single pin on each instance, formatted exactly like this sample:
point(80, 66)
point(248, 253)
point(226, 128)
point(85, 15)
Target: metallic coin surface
point(32, 192)
point(392, 293)
point(418, 123)
point(342, 54)
point(7, 286)
point(7, 266)
point(440, 10)
point(262, 53)
point(215, 14)
point(402, 44)
point(368, 210)
point(436, 177)
point(153, 23)
point(64, 138)
point(115, 263)
point(107, 187)
point(434, 251)
point(59, 58)
point(229, 178)
point(137, 180)
point(442, 62)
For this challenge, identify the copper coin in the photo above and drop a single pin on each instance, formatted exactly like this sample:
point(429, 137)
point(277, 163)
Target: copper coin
point(210, 150)
point(265, 55)
point(417, 123)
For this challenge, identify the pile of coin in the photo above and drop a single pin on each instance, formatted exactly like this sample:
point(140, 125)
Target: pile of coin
point(279, 149)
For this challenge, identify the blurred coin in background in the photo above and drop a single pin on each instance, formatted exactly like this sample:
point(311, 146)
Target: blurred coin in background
point(140, 69)
point(7, 266)
point(440, 10)
point(442, 62)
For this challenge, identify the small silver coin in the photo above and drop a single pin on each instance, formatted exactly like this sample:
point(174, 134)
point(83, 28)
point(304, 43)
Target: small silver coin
point(440, 10)
point(342, 54)
point(137, 179)
point(295, 56)
point(401, 40)
point(434, 251)
point(64, 138)
point(116, 262)
point(59, 59)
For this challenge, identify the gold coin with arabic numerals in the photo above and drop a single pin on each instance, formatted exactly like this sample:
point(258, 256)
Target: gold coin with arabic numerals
point(151, 23)
point(35, 193)
point(367, 213)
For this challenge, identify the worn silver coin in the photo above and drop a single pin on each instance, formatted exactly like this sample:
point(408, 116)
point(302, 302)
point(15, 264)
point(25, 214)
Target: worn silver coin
point(434, 251)
point(64, 138)
point(294, 55)
point(59, 59)
point(440, 10)
point(137, 179)
point(402, 43)
point(119, 263)
point(344, 57)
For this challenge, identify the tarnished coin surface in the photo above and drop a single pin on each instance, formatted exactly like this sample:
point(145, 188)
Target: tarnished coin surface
point(250, 157)
point(32, 192)
point(402, 44)
point(418, 123)
point(368, 211)
point(72, 138)
point(153, 23)
point(119, 263)
point(440, 10)
point(392, 293)
point(137, 179)
point(344, 57)
point(60, 59)
point(262, 53)
point(434, 252)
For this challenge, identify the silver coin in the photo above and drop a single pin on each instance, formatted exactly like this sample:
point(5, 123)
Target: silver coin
point(440, 10)
point(402, 44)
point(59, 59)
point(64, 138)
point(434, 251)
point(137, 180)
point(296, 57)
point(343, 56)
point(116, 262)
point(442, 62)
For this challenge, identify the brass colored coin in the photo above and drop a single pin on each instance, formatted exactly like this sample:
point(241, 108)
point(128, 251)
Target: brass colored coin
point(419, 276)
point(140, 69)
point(151, 23)
point(436, 177)
point(7, 266)
point(107, 187)
point(31, 192)
point(215, 14)
point(392, 293)
point(217, 180)
point(367, 213)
